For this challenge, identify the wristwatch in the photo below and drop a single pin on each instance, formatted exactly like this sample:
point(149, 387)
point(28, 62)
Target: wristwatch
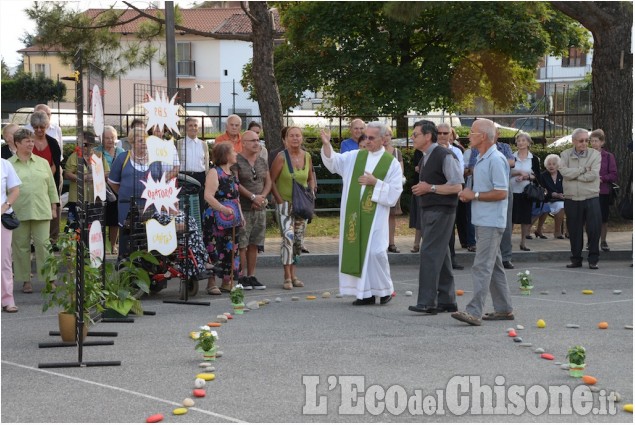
point(433, 188)
point(477, 195)
point(253, 196)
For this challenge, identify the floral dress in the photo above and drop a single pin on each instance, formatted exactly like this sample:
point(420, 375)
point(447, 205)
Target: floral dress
point(220, 242)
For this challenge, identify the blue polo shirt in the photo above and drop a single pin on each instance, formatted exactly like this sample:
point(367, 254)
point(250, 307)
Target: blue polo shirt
point(490, 173)
point(348, 145)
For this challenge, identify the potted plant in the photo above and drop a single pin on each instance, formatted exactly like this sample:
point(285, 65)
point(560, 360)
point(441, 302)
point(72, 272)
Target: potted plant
point(577, 357)
point(206, 343)
point(63, 295)
point(237, 297)
point(524, 279)
point(125, 283)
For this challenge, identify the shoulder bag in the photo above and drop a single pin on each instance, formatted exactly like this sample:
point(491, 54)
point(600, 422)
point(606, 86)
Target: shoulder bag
point(302, 198)
point(228, 221)
point(534, 192)
point(10, 221)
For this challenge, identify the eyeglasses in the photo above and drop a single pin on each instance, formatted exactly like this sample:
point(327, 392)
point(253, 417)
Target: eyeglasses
point(583, 140)
point(471, 133)
point(363, 137)
point(445, 133)
point(39, 127)
point(254, 177)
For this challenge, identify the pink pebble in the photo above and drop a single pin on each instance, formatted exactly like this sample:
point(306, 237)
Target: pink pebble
point(199, 392)
point(512, 333)
point(547, 356)
point(154, 418)
point(229, 316)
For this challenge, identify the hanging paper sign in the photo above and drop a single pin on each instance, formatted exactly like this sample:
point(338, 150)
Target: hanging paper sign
point(161, 194)
point(99, 178)
point(98, 112)
point(161, 151)
point(96, 244)
point(162, 111)
point(161, 238)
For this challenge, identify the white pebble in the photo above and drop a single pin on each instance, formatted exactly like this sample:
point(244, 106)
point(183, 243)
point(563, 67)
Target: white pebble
point(628, 327)
point(614, 396)
point(520, 327)
point(210, 369)
point(544, 292)
point(278, 300)
point(339, 296)
point(326, 294)
point(295, 298)
point(594, 389)
point(188, 402)
point(408, 293)
point(204, 364)
point(219, 353)
point(199, 382)
point(253, 305)
point(572, 326)
point(617, 292)
point(539, 350)
point(564, 366)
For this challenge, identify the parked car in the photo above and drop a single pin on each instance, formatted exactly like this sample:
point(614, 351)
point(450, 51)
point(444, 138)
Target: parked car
point(563, 141)
point(61, 117)
point(529, 124)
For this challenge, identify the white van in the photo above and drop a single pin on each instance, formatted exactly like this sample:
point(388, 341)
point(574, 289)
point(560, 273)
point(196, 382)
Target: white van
point(61, 117)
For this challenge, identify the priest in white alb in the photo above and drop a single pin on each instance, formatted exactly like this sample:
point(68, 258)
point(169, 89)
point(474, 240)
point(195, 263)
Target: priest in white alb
point(372, 183)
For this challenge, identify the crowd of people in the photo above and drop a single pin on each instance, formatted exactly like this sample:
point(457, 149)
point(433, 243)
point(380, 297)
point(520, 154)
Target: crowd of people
point(478, 190)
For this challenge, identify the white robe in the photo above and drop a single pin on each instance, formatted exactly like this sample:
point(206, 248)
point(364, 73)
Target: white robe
point(375, 277)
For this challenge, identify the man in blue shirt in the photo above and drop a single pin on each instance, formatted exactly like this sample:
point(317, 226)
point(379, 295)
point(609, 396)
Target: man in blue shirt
point(489, 216)
point(352, 144)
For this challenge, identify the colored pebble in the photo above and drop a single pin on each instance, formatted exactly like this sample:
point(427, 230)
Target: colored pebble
point(603, 325)
point(587, 292)
point(214, 325)
point(518, 339)
point(311, 297)
point(459, 292)
point(261, 303)
point(408, 293)
point(179, 411)
point(547, 356)
point(541, 323)
point(617, 292)
point(154, 418)
point(339, 295)
point(199, 383)
point(544, 292)
point(295, 298)
point(210, 369)
point(572, 326)
point(194, 334)
point(204, 364)
point(520, 327)
point(564, 366)
point(589, 380)
point(207, 376)
point(188, 402)
point(199, 392)
point(539, 350)
point(222, 318)
point(525, 344)
point(628, 408)
point(326, 294)
point(512, 333)
point(628, 327)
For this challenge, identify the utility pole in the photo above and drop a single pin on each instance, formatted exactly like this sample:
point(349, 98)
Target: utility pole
point(170, 47)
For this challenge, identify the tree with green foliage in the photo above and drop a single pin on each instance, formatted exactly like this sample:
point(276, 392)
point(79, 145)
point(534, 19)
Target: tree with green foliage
point(36, 87)
point(388, 58)
point(6, 73)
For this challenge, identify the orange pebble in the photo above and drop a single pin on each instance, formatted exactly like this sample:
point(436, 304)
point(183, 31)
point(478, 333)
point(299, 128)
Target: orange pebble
point(603, 325)
point(154, 418)
point(459, 292)
point(589, 380)
point(214, 325)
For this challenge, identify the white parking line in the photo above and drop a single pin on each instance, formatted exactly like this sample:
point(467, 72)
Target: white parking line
point(135, 393)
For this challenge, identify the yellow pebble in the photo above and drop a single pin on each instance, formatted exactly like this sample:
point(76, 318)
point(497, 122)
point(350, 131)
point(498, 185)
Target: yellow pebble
point(261, 303)
point(541, 323)
point(587, 292)
point(311, 297)
point(180, 411)
point(206, 376)
point(628, 408)
point(194, 334)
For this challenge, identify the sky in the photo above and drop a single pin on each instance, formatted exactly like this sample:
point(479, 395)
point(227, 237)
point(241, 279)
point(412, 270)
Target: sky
point(14, 22)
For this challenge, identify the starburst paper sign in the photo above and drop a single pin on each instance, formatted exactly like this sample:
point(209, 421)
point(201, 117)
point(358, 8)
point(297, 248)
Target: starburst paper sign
point(99, 179)
point(98, 112)
point(161, 194)
point(162, 111)
point(96, 244)
point(161, 151)
point(161, 238)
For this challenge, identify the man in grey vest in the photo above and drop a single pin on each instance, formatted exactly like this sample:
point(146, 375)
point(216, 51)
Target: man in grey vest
point(440, 180)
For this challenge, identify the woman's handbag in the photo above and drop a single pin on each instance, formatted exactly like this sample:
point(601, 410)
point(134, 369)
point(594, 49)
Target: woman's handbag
point(302, 198)
point(111, 196)
point(534, 192)
point(10, 221)
point(228, 221)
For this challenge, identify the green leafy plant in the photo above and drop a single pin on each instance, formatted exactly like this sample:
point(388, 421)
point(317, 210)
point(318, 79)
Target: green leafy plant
point(126, 282)
point(237, 295)
point(206, 339)
point(577, 355)
point(525, 278)
point(63, 294)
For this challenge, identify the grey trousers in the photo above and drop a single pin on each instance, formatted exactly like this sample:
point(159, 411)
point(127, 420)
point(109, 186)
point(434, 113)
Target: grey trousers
point(436, 280)
point(488, 274)
point(506, 241)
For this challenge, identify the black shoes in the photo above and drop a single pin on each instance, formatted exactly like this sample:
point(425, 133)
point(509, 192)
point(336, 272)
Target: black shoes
point(605, 247)
point(385, 300)
point(447, 308)
point(245, 282)
point(593, 266)
point(423, 309)
point(508, 264)
point(365, 301)
point(255, 284)
point(574, 265)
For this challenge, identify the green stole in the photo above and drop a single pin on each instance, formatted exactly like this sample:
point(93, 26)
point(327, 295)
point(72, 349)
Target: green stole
point(360, 215)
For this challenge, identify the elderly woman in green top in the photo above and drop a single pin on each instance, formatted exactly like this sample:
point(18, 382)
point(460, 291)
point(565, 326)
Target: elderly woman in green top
point(35, 208)
point(291, 227)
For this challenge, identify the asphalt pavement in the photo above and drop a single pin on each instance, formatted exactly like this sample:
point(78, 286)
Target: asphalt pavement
point(314, 360)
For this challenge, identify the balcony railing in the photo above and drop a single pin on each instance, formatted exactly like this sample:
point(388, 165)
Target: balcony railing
point(185, 69)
